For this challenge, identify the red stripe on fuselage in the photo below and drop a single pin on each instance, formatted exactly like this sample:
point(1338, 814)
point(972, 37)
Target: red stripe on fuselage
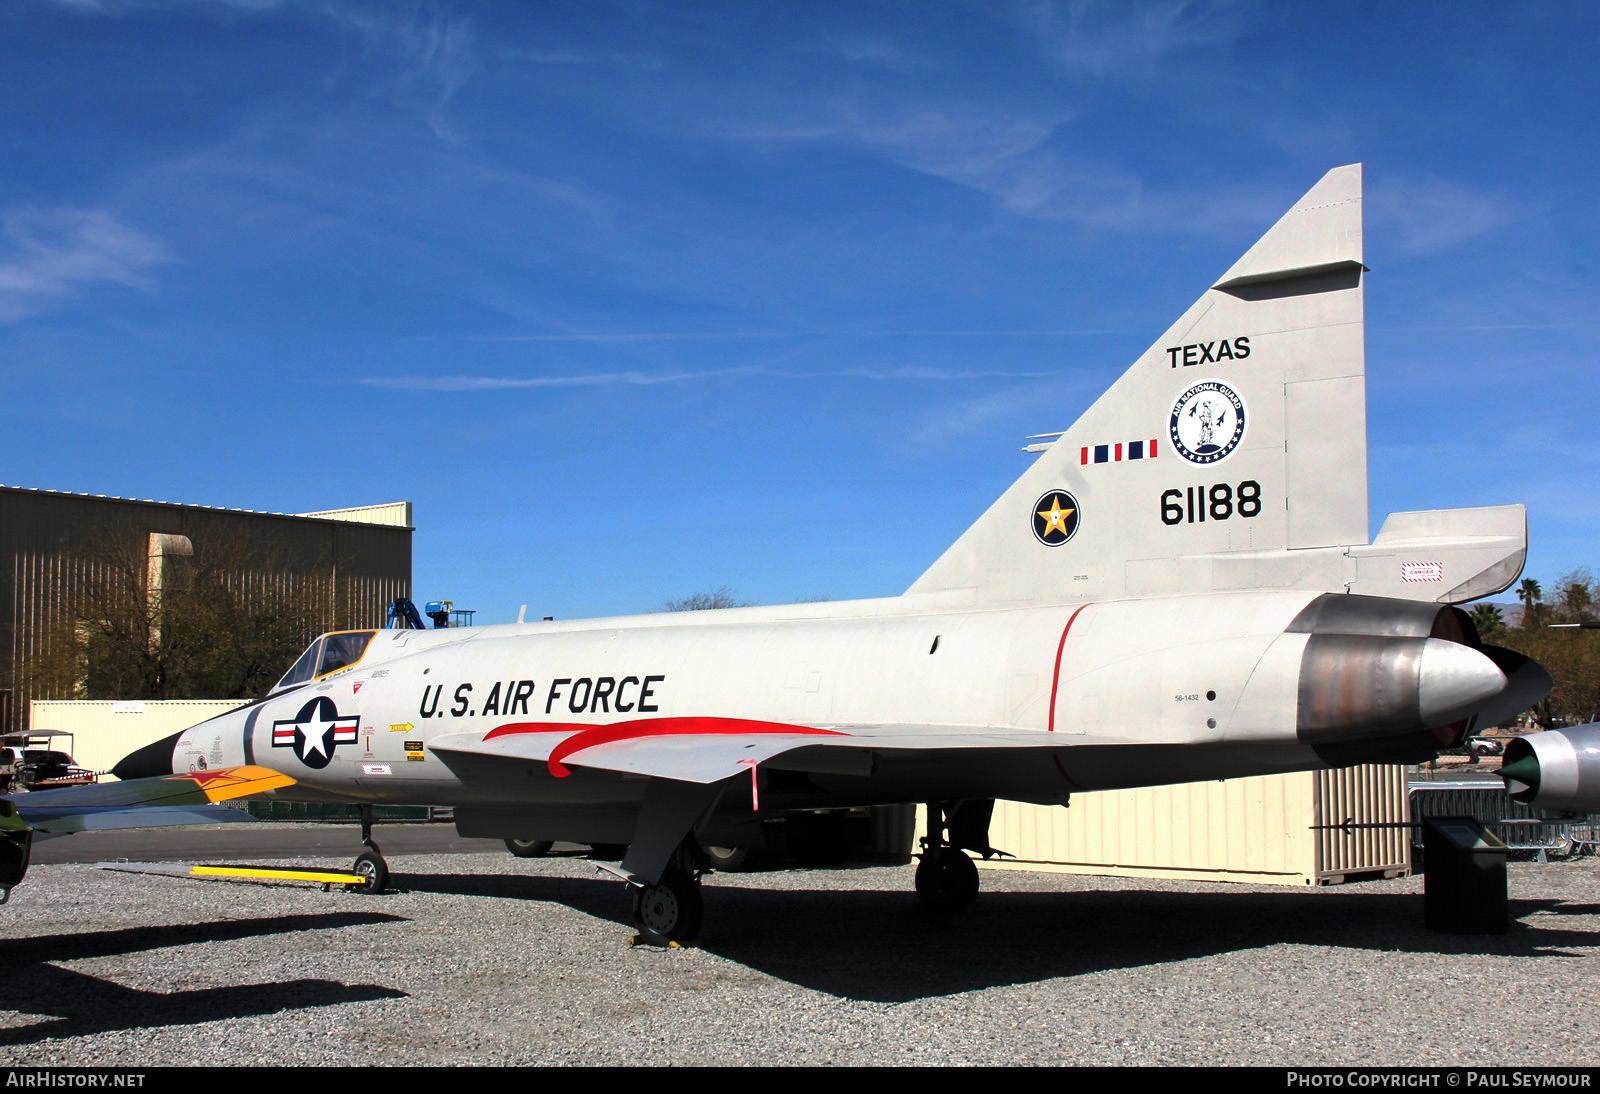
point(587, 736)
point(1056, 679)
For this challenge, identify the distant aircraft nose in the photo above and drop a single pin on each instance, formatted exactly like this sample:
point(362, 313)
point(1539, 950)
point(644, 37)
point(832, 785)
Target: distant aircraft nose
point(150, 761)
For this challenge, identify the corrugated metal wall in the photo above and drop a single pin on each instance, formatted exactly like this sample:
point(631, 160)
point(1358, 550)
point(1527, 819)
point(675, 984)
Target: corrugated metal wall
point(1371, 794)
point(354, 569)
point(1256, 829)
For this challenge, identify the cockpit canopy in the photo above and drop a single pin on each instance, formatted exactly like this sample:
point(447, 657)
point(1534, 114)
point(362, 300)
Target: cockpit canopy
point(329, 653)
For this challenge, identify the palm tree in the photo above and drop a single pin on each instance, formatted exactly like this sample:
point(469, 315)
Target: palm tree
point(1490, 623)
point(1529, 593)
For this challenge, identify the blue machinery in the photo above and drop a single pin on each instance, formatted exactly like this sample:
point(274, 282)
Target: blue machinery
point(403, 615)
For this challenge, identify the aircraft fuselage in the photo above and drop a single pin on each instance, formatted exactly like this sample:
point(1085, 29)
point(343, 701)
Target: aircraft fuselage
point(1229, 681)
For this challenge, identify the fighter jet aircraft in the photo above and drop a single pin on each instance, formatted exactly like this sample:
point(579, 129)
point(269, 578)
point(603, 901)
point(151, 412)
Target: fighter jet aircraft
point(1180, 587)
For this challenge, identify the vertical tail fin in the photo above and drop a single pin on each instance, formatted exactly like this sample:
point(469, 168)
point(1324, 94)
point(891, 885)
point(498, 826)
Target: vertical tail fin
point(1227, 456)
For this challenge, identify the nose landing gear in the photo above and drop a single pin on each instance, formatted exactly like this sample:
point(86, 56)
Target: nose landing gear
point(370, 863)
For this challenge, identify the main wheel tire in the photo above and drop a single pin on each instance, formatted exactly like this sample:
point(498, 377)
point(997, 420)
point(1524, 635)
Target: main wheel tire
point(529, 848)
point(949, 882)
point(734, 860)
point(371, 866)
point(670, 910)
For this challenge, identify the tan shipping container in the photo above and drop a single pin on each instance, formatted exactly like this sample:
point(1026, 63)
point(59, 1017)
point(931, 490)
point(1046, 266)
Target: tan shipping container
point(106, 730)
point(1260, 829)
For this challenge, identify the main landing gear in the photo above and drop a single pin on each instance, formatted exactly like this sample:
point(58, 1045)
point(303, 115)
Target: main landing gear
point(370, 864)
point(671, 911)
point(947, 880)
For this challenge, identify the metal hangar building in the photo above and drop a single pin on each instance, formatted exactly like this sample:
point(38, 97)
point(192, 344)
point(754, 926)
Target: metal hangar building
point(344, 566)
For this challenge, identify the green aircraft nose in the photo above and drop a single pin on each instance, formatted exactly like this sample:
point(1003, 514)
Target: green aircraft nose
point(1524, 770)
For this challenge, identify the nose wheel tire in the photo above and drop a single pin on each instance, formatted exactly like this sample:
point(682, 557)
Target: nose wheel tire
point(371, 866)
point(947, 880)
point(529, 848)
point(670, 910)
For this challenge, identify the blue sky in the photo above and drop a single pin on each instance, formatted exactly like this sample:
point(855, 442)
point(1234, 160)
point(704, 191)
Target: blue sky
point(634, 300)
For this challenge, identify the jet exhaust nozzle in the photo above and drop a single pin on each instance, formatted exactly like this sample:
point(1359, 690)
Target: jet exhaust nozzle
point(1558, 769)
point(1358, 686)
point(1455, 681)
point(1528, 683)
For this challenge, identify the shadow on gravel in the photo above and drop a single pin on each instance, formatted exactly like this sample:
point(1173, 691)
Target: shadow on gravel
point(1555, 907)
point(883, 947)
point(601, 896)
point(86, 1004)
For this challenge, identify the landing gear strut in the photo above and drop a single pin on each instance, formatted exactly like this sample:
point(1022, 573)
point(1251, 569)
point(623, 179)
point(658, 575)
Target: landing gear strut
point(671, 911)
point(370, 863)
point(947, 880)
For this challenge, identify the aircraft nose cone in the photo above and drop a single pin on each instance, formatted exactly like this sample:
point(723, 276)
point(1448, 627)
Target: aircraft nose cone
point(149, 761)
point(1454, 681)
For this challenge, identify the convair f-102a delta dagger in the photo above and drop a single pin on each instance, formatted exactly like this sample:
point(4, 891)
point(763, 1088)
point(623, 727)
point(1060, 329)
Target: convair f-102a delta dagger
point(1180, 587)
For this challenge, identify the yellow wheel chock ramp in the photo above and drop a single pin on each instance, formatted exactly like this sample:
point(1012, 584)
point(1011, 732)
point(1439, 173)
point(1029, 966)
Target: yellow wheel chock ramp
point(313, 876)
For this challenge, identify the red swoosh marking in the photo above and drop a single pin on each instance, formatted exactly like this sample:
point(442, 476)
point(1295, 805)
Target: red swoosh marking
point(1056, 679)
point(587, 736)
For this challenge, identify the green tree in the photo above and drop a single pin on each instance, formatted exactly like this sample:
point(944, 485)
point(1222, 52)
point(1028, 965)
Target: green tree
point(1570, 655)
point(1575, 596)
point(1490, 623)
point(223, 622)
point(720, 597)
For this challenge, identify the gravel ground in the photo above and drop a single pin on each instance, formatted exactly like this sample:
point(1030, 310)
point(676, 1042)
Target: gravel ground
point(486, 959)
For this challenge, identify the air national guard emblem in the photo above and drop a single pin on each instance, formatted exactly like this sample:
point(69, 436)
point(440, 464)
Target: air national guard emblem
point(1055, 518)
point(316, 731)
point(1207, 422)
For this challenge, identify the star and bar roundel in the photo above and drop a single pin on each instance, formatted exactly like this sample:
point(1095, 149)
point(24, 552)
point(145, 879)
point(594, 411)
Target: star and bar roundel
point(1055, 518)
point(316, 731)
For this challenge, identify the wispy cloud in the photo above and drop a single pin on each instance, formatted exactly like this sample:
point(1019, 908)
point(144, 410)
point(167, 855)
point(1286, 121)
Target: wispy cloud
point(1041, 155)
point(433, 52)
point(642, 336)
point(119, 7)
point(1483, 326)
point(714, 336)
point(503, 383)
point(637, 378)
point(572, 55)
point(49, 255)
point(1050, 394)
point(1423, 214)
point(418, 54)
point(1030, 165)
point(1127, 39)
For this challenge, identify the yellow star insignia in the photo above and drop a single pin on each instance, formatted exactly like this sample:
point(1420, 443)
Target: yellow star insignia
point(1055, 517)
